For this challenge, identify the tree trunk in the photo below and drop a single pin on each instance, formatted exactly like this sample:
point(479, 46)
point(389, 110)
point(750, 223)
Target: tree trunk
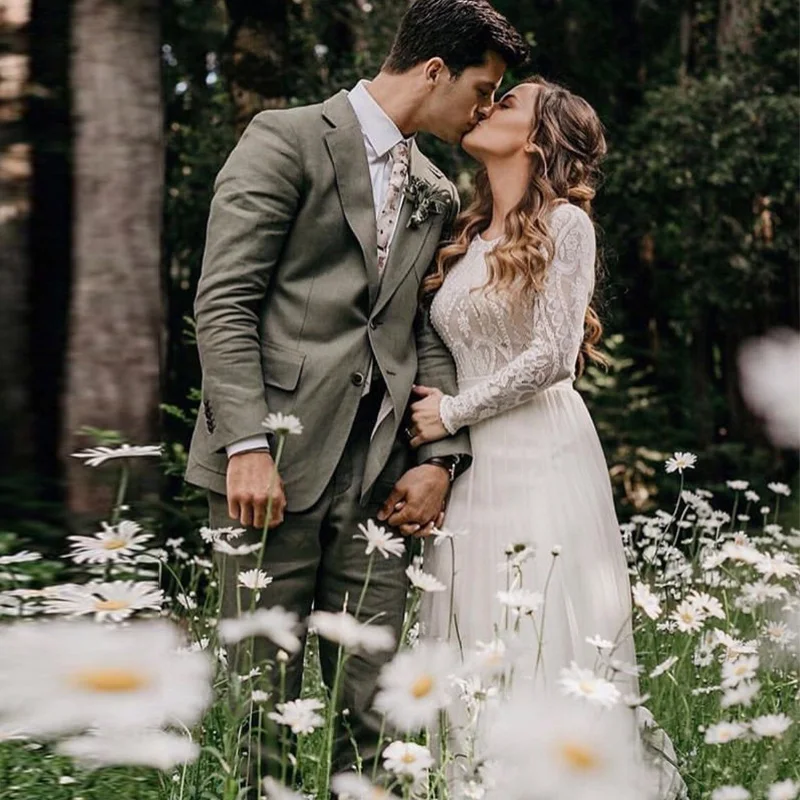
point(255, 56)
point(116, 316)
point(735, 27)
point(15, 170)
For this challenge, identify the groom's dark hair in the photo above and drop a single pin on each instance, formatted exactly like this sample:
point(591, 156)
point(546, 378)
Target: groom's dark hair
point(460, 32)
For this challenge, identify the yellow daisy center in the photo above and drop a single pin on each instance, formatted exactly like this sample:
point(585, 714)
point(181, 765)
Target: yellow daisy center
point(587, 687)
point(110, 605)
point(115, 543)
point(579, 756)
point(408, 758)
point(422, 686)
point(110, 679)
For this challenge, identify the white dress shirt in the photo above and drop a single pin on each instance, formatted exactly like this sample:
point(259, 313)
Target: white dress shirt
point(380, 136)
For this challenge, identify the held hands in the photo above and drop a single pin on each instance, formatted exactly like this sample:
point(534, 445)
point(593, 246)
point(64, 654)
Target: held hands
point(426, 421)
point(416, 503)
point(251, 481)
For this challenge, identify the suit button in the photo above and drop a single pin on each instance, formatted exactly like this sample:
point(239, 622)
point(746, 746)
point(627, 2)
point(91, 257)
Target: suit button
point(373, 324)
point(357, 379)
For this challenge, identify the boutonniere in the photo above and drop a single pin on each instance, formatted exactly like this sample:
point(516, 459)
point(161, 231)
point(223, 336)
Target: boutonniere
point(425, 200)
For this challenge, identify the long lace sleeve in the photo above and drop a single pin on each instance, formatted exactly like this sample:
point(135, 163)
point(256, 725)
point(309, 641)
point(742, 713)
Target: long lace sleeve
point(556, 334)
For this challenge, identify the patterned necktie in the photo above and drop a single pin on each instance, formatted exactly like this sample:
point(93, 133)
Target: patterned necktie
point(387, 219)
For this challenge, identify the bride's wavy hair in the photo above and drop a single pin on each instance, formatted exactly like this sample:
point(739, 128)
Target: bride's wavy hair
point(568, 141)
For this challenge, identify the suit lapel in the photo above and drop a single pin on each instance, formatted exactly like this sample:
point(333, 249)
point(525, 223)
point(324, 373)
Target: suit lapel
point(407, 242)
point(345, 144)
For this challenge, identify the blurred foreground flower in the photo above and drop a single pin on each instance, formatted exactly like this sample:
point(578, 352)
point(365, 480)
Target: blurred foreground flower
point(582, 753)
point(64, 677)
point(95, 456)
point(154, 748)
point(345, 630)
point(415, 685)
point(769, 371)
point(277, 624)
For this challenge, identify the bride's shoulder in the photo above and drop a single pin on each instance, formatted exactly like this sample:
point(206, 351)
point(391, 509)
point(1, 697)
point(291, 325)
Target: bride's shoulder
point(569, 215)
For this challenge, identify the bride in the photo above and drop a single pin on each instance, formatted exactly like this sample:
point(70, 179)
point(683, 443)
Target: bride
point(511, 299)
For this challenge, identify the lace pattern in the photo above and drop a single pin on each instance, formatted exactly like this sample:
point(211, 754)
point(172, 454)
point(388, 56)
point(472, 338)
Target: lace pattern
point(507, 353)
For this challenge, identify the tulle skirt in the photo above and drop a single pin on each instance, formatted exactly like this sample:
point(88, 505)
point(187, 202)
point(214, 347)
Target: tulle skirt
point(538, 479)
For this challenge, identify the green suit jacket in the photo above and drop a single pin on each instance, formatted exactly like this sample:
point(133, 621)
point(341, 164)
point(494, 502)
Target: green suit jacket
point(290, 310)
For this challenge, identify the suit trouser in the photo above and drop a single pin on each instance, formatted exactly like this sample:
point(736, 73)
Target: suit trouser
point(314, 560)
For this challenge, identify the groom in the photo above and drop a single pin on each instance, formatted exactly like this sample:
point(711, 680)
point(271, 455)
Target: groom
point(308, 305)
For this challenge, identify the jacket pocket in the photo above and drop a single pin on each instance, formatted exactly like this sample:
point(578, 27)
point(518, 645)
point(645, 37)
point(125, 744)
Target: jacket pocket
point(281, 366)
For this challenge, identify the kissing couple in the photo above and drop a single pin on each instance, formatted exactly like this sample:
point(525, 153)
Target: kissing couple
point(430, 354)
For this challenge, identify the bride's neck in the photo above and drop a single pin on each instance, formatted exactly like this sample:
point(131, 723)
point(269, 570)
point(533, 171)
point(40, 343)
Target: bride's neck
point(508, 179)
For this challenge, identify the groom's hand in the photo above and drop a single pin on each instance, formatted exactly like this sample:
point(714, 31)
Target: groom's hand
point(415, 503)
point(251, 482)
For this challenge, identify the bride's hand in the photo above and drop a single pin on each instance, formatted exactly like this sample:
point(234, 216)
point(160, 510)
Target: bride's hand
point(426, 424)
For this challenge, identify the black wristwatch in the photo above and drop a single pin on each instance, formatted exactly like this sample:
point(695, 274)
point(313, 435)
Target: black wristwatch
point(448, 462)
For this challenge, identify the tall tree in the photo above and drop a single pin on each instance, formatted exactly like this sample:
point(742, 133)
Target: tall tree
point(116, 317)
point(15, 169)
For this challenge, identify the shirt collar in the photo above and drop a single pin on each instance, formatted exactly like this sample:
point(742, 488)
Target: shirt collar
point(376, 125)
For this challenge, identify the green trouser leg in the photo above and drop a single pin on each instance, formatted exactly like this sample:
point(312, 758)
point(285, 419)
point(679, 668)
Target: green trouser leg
point(315, 561)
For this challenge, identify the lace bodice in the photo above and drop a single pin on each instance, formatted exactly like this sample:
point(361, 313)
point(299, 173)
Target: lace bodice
point(505, 353)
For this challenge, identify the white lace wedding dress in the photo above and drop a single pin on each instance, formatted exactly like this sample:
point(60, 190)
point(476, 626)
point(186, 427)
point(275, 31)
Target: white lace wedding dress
point(538, 474)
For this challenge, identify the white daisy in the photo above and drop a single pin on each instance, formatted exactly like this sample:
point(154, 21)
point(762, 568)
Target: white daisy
point(521, 601)
point(147, 748)
point(378, 538)
point(61, 677)
point(724, 732)
point(424, 581)
point(95, 456)
point(688, 617)
point(115, 600)
point(777, 566)
point(784, 790)
point(286, 424)
point(680, 461)
point(644, 598)
point(345, 630)
point(211, 535)
point(741, 695)
point(277, 624)
point(441, 535)
point(578, 682)
point(779, 488)
point(221, 546)
point(254, 579)
point(664, 666)
point(23, 557)
point(414, 686)
point(300, 715)
point(779, 632)
point(751, 496)
point(407, 760)
point(599, 642)
point(737, 486)
point(114, 543)
point(730, 793)
point(710, 605)
point(771, 725)
point(519, 552)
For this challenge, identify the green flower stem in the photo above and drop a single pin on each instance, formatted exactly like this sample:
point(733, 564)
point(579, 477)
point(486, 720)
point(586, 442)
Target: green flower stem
point(122, 490)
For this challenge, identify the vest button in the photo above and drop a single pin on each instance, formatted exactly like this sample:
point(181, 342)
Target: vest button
point(357, 379)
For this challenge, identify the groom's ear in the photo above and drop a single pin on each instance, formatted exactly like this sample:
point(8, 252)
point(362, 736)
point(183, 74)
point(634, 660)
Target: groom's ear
point(435, 71)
